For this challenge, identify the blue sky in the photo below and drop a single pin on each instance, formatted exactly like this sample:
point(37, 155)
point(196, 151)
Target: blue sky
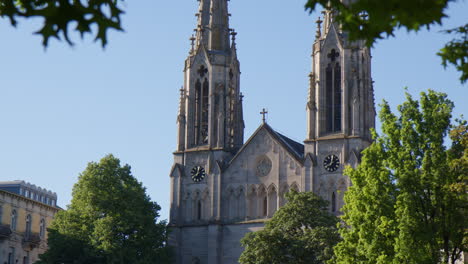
point(65, 106)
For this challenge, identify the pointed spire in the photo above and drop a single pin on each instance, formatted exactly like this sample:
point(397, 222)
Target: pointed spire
point(219, 26)
point(203, 20)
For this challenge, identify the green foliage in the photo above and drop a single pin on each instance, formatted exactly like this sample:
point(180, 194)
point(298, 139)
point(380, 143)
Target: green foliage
point(110, 220)
point(301, 232)
point(371, 20)
point(59, 14)
point(408, 200)
point(456, 51)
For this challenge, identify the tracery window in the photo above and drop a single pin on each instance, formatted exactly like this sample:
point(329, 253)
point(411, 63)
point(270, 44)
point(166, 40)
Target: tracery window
point(201, 107)
point(333, 102)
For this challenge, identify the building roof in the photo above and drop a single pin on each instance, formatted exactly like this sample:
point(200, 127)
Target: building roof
point(27, 185)
point(295, 148)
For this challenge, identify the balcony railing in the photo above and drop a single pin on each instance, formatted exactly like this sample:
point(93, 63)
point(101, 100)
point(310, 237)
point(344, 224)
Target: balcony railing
point(31, 240)
point(5, 231)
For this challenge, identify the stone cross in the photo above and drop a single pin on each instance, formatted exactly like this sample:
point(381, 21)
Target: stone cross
point(202, 71)
point(263, 113)
point(333, 55)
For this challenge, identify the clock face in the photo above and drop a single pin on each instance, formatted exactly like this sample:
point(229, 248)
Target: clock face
point(198, 173)
point(331, 163)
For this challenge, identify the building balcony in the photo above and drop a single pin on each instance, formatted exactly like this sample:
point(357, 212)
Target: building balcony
point(31, 240)
point(5, 232)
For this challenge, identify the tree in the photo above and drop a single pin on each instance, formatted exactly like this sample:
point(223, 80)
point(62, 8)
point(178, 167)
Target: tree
point(372, 20)
point(110, 220)
point(59, 14)
point(302, 231)
point(407, 203)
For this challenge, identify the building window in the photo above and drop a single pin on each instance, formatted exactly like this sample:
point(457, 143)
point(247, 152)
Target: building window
point(26, 193)
point(11, 256)
point(42, 228)
point(1, 214)
point(28, 225)
point(26, 258)
point(199, 210)
point(265, 203)
point(333, 202)
point(14, 219)
point(333, 102)
point(204, 113)
point(201, 106)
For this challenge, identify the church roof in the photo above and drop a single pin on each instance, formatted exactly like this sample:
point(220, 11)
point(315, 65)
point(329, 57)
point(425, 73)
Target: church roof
point(295, 148)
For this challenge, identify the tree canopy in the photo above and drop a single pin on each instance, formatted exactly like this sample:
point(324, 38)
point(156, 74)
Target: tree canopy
point(372, 20)
point(110, 220)
point(301, 232)
point(58, 15)
point(408, 200)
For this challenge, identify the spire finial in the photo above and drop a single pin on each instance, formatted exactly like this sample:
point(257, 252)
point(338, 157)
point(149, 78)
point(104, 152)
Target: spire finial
point(233, 34)
point(263, 113)
point(319, 23)
point(192, 43)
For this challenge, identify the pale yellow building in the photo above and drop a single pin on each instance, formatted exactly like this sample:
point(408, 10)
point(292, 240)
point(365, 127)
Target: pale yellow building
point(24, 222)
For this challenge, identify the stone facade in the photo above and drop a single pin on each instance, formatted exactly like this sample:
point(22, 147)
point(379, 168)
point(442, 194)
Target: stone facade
point(223, 188)
point(23, 227)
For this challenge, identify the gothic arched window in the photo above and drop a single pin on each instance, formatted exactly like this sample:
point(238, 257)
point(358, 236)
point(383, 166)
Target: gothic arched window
point(204, 113)
point(197, 110)
point(265, 204)
point(333, 202)
point(199, 210)
point(201, 111)
point(333, 102)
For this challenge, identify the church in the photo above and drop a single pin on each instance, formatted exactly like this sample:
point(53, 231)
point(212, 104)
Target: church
point(223, 187)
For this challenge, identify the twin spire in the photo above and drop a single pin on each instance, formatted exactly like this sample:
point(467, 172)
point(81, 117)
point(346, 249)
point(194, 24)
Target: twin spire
point(213, 26)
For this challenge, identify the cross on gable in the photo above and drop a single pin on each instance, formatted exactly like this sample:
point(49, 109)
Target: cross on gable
point(202, 71)
point(263, 113)
point(333, 55)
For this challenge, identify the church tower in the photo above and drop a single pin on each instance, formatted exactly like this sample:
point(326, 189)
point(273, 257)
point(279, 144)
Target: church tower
point(210, 131)
point(210, 112)
point(340, 108)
